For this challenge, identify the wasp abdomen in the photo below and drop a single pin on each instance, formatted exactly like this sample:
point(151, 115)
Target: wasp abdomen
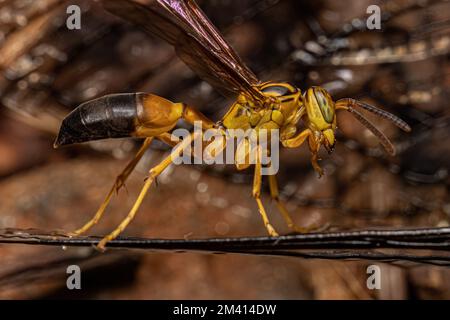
point(111, 116)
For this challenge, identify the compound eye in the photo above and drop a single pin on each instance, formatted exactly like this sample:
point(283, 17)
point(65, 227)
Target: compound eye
point(277, 90)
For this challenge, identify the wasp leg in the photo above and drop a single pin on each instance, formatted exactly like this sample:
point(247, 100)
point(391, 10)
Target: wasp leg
point(153, 173)
point(314, 147)
point(257, 195)
point(120, 181)
point(297, 140)
point(169, 139)
point(315, 164)
point(244, 152)
point(273, 185)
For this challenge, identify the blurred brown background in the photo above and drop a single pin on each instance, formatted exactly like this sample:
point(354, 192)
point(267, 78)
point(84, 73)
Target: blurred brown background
point(46, 70)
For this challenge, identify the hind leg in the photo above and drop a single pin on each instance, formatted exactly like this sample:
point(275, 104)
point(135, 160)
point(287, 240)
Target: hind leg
point(159, 115)
point(153, 173)
point(120, 181)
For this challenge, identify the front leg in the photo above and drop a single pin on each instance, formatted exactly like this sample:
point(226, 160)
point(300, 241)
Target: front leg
point(297, 140)
point(314, 146)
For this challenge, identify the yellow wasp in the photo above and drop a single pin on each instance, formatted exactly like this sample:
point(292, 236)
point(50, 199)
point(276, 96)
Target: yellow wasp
point(270, 105)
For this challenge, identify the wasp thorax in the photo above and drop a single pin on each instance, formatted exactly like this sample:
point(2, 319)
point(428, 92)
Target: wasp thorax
point(278, 89)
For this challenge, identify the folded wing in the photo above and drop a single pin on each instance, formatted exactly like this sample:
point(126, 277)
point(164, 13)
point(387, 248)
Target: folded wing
point(197, 42)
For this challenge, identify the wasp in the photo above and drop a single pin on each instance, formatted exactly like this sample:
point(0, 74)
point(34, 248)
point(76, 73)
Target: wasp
point(301, 117)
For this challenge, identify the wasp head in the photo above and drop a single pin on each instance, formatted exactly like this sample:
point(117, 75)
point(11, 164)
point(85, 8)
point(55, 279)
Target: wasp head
point(321, 112)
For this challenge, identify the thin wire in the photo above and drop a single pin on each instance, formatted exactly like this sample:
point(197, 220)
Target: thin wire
point(430, 245)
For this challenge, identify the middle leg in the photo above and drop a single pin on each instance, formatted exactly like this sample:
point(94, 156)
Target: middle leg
point(257, 194)
point(273, 185)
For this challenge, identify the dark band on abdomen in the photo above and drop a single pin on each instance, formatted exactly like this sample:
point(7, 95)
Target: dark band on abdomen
point(111, 116)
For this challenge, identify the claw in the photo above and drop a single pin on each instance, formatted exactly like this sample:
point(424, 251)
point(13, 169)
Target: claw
point(271, 230)
point(318, 169)
point(311, 228)
point(101, 246)
point(73, 234)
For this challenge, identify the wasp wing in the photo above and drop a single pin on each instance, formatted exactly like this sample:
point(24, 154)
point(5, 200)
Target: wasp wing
point(197, 42)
